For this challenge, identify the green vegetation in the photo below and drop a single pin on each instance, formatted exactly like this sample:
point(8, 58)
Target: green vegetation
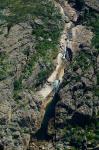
point(98, 78)
point(5, 66)
point(47, 35)
point(75, 134)
point(91, 18)
point(43, 75)
point(16, 96)
point(95, 40)
point(27, 71)
point(46, 32)
point(17, 88)
point(97, 91)
point(18, 84)
point(83, 60)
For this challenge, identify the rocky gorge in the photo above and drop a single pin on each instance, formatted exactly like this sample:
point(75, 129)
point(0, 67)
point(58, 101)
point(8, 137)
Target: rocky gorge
point(43, 105)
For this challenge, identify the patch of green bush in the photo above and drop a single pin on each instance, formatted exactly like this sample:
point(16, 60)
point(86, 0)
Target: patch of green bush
point(43, 75)
point(83, 60)
point(23, 10)
point(5, 66)
point(91, 18)
point(18, 84)
point(97, 91)
point(97, 78)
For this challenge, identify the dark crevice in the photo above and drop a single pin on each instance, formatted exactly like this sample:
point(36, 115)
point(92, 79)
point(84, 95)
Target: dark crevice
point(1, 146)
point(42, 133)
point(69, 54)
point(81, 119)
point(77, 4)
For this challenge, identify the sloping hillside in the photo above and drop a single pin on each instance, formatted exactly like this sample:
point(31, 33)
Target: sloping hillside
point(49, 74)
point(29, 35)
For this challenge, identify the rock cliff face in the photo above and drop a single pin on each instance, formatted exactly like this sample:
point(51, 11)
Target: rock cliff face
point(32, 34)
point(77, 111)
point(19, 111)
point(79, 104)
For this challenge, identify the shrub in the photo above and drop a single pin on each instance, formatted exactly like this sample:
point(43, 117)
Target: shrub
point(5, 66)
point(17, 84)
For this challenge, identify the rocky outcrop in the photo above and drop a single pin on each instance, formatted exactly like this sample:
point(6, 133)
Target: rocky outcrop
point(18, 119)
point(94, 4)
point(19, 109)
point(79, 104)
